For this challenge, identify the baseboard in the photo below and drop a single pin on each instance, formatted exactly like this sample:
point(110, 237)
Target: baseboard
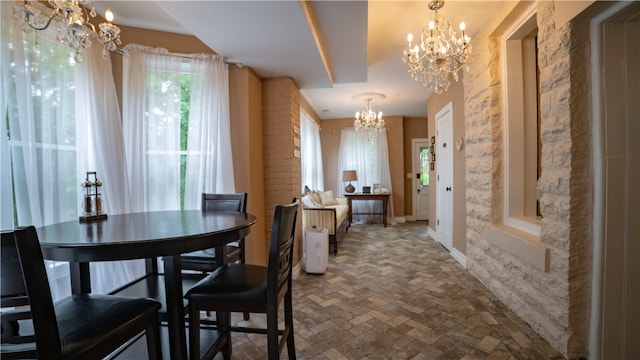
point(410, 218)
point(432, 234)
point(400, 220)
point(297, 270)
point(460, 257)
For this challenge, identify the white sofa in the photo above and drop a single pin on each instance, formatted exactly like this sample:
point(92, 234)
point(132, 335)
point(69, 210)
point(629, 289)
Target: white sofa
point(333, 215)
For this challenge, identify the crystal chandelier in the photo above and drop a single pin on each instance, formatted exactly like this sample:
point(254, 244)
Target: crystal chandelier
point(368, 119)
point(443, 52)
point(73, 18)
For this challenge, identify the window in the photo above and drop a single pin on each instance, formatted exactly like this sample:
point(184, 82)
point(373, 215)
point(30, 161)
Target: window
point(40, 130)
point(522, 126)
point(424, 166)
point(366, 152)
point(167, 131)
point(176, 128)
point(39, 142)
point(312, 174)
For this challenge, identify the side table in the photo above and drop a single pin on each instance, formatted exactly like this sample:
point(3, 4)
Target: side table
point(374, 197)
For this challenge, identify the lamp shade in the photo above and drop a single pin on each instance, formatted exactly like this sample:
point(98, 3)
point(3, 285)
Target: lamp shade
point(349, 175)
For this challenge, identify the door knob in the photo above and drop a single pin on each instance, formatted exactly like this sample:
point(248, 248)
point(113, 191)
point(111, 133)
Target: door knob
point(418, 191)
point(448, 188)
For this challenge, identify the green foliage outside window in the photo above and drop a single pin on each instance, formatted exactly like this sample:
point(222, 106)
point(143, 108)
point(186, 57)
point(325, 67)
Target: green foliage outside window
point(424, 166)
point(185, 94)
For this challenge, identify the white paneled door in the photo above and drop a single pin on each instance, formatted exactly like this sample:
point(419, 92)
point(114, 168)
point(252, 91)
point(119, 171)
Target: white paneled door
point(444, 174)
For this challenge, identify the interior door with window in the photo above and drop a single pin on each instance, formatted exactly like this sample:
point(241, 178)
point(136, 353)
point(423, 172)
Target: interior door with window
point(420, 177)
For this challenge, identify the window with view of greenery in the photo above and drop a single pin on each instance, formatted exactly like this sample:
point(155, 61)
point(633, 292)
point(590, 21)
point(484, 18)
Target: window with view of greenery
point(424, 166)
point(185, 85)
point(176, 144)
point(167, 143)
point(43, 140)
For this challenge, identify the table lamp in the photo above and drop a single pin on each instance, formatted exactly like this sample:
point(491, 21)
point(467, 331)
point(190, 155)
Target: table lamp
point(349, 175)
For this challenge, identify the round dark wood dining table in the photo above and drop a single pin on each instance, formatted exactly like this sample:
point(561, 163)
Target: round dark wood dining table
point(145, 235)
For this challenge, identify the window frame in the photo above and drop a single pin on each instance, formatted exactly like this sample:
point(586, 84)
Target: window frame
point(521, 152)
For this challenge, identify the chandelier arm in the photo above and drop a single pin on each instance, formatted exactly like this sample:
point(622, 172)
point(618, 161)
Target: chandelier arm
point(28, 14)
point(87, 19)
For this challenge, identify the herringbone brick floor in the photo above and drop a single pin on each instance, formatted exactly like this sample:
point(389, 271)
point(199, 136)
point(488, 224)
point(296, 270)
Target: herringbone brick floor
point(394, 293)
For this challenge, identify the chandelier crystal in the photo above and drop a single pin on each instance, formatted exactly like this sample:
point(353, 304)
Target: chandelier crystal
point(73, 19)
point(368, 119)
point(440, 54)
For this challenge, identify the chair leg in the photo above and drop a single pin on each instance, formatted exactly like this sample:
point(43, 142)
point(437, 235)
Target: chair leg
point(273, 346)
point(152, 333)
point(288, 324)
point(246, 316)
point(194, 332)
point(226, 332)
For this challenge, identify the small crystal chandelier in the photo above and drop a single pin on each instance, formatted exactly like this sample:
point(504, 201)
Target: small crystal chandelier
point(368, 119)
point(444, 53)
point(73, 18)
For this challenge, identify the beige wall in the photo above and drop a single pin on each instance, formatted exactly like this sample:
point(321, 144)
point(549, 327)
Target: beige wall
point(245, 98)
point(436, 102)
point(330, 140)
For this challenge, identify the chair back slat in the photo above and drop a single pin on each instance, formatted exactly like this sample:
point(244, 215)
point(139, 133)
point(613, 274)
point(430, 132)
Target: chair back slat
point(11, 281)
point(224, 202)
point(281, 248)
point(39, 292)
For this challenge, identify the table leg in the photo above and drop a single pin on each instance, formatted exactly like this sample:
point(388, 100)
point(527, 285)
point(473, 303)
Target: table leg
point(350, 213)
point(80, 277)
point(221, 255)
point(385, 202)
point(175, 307)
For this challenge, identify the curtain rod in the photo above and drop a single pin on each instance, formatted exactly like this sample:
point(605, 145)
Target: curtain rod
point(235, 62)
point(335, 131)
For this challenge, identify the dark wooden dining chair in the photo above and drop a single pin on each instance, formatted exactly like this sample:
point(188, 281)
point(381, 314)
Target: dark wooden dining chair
point(250, 288)
point(204, 260)
point(13, 294)
point(81, 326)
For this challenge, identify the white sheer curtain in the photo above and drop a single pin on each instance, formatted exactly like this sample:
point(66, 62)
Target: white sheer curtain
point(310, 153)
point(209, 158)
point(39, 135)
point(154, 87)
point(134, 77)
point(100, 137)
point(366, 152)
point(55, 133)
point(151, 125)
point(6, 185)
point(39, 96)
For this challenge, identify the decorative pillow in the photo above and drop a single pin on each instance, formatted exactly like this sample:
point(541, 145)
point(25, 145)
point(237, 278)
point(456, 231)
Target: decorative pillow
point(309, 202)
point(315, 195)
point(327, 198)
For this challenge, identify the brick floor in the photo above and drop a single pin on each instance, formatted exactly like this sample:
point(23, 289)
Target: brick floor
point(394, 293)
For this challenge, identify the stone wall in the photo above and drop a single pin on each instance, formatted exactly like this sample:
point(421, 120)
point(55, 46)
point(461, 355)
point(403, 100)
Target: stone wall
point(550, 300)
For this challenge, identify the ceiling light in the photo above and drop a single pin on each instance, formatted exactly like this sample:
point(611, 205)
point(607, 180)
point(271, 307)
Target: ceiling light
point(73, 19)
point(368, 119)
point(443, 52)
